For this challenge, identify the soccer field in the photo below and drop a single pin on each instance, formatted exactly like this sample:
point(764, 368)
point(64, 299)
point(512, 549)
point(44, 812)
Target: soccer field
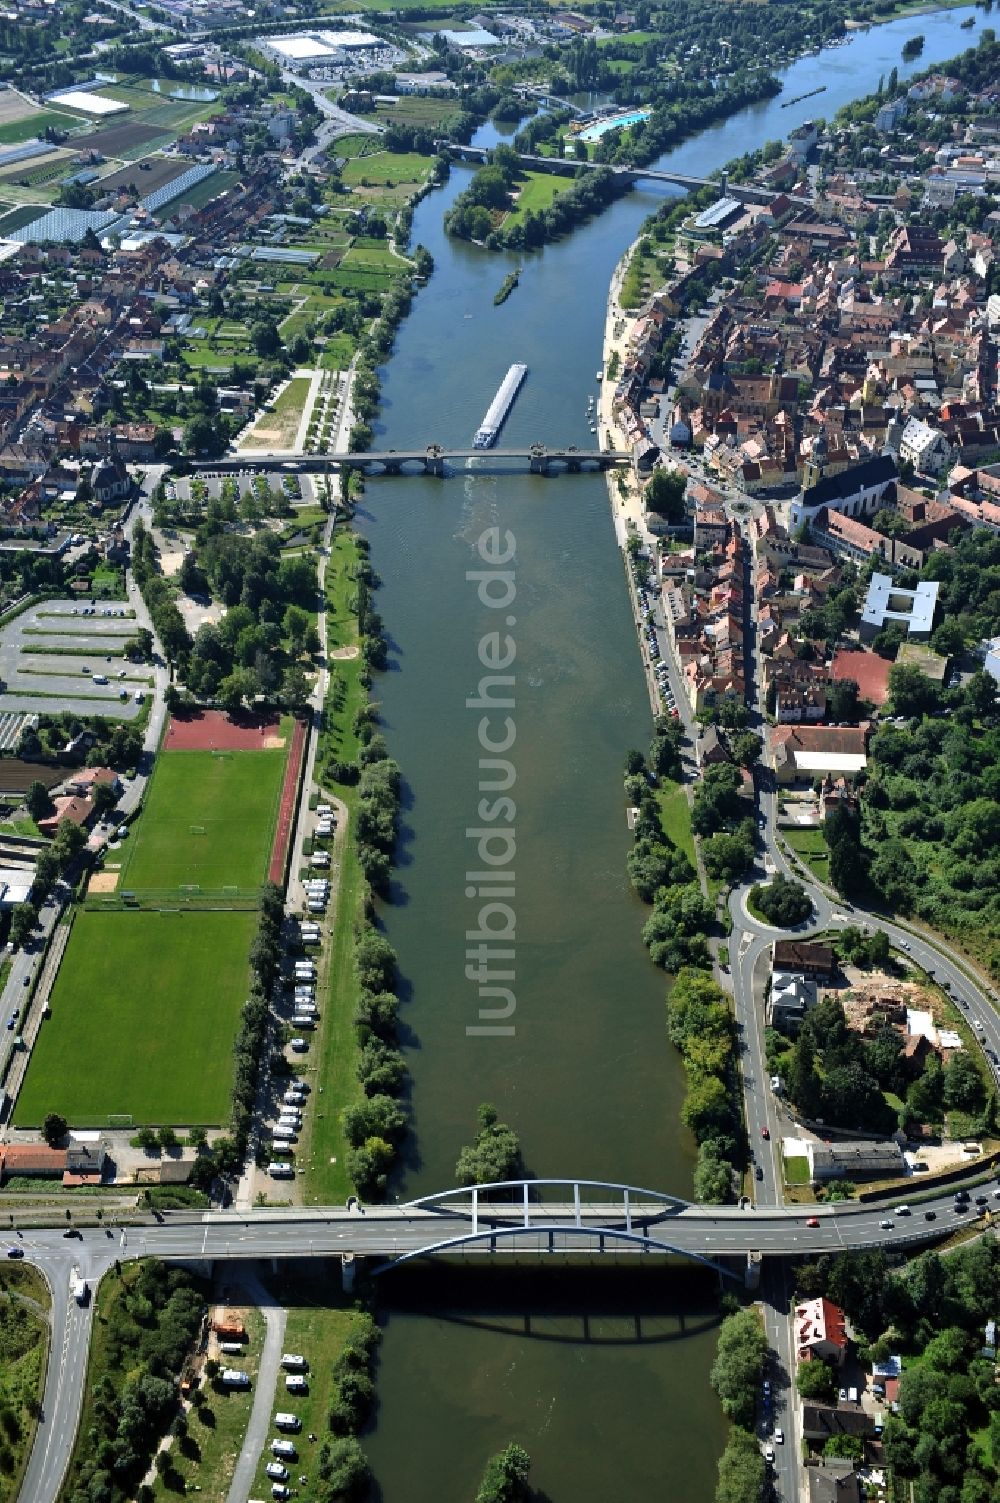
point(208, 822)
point(144, 1013)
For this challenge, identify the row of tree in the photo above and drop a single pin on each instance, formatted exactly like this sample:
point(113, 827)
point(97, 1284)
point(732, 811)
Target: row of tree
point(251, 1036)
point(700, 1026)
point(740, 1359)
point(149, 1325)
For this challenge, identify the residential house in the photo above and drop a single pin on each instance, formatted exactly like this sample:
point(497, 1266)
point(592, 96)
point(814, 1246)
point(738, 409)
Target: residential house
point(820, 1331)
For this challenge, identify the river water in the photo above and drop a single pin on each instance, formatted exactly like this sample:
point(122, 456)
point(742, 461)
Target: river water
point(619, 1405)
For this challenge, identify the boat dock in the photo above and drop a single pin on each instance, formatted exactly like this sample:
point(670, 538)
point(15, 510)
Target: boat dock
point(489, 428)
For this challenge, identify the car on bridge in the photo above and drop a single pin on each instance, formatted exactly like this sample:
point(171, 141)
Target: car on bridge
point(812, 1221)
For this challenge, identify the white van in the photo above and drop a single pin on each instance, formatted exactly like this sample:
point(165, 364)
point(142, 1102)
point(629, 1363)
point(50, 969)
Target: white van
point(285, 1133)
point(281, 1171)
point(287, 1421)
point(295, 1361)
point(139, 696)
point(296, 1383)
point(284, 1448)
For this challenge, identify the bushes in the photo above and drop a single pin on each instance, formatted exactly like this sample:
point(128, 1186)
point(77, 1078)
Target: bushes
point(354, 1386)
point(506, 1477)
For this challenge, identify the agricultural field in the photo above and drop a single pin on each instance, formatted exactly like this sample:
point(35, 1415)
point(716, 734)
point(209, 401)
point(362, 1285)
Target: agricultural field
point(418, 110)
point(209, 188)
point(208, 822)
point(143, 1016)
point(18, 218)
point(386, 169)
point(122, 140)
point(147, 174)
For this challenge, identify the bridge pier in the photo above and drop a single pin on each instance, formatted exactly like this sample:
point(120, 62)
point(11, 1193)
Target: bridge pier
point(538, 463)
point(434, 462)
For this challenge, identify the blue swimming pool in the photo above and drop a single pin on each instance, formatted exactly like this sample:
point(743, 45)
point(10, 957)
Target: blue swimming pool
point(614, 122)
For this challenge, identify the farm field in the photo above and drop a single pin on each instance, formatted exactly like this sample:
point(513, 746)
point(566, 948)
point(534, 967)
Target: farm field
point(144, 1012)
point(18, 218)
point(208, 821)
point(148, 174)
point(121, 140)
point(418, 109)
point(209, 188)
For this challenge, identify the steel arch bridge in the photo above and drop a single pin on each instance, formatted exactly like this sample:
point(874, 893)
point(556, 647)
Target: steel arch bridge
point(555, 1228)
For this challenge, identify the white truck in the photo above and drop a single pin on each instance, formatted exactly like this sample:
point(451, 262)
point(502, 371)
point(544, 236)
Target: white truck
point(78, 1287)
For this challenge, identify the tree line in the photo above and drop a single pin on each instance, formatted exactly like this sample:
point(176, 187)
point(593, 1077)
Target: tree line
point(150, 1323)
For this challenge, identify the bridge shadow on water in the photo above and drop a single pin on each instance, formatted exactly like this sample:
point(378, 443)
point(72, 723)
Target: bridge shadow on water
point(569, 1305)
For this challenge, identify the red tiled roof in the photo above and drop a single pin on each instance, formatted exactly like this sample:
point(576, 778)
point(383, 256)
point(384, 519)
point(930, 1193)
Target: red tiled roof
point(867, 669)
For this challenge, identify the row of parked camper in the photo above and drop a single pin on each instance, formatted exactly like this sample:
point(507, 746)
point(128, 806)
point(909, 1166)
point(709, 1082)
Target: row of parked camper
point(284, 1450)
point(325, 822)
point(304, 1015)
point(317, 891)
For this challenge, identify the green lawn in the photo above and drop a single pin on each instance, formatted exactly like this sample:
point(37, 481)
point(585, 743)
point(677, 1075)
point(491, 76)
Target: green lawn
point(16, 131)
point(675, 816)
point(811, 845)
point(209, 188)
point(536, 192)
point(319, 1322)
point(208, 821)
point(144, 1013)
point(386, 169)
point(796, 1170)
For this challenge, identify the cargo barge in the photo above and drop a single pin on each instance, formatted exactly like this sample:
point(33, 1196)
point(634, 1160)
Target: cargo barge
point(489, 428)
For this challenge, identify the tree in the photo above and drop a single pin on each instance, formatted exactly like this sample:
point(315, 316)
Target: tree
point(815, 1380)
point(494, 1155)
point(911, 691)
point(745, 747)
point(665, 495)
point(37, 800)
point(265, 339)
point(105, 798)
point(506, 1477)
point(741, 1469)
point(54, 1129)
point(22, 922)
point(739, 1365)
point(782, 901)
point(964, 1090)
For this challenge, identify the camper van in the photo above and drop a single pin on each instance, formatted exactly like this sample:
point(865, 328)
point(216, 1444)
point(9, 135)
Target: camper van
point(284, 1133)
point(284, 1421)
point(281, 1171)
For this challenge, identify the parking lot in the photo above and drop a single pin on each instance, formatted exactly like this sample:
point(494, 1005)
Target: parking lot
point(68, 655)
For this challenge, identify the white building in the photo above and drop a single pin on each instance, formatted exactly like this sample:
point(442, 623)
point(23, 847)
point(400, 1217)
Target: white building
point(912, 608)
point(925, 447)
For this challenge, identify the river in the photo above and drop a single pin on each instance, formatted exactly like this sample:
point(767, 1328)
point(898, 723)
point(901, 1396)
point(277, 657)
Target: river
point(587, 1077)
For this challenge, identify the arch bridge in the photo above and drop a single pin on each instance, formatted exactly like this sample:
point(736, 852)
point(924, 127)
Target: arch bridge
point(435, 459)
point(626, 1219)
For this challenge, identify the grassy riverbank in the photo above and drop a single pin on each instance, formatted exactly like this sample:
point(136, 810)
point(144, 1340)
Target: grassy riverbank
point(323, 1147)
point(24, 1341)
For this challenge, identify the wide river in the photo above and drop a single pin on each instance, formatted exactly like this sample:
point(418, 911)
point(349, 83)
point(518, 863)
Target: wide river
point(604, 1380)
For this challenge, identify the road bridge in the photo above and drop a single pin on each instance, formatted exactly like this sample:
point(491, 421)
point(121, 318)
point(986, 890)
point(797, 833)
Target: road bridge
point(568, 167)
point(538, 459)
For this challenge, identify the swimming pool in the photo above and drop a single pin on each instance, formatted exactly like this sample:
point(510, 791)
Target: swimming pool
point(614, 122)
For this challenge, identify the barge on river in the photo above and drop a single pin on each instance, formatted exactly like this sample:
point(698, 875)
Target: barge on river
point(489, 428)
